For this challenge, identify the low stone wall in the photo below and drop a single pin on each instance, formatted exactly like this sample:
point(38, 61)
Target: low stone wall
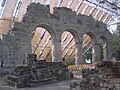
point(105, 76)
point(77, 69)
point(98, 82)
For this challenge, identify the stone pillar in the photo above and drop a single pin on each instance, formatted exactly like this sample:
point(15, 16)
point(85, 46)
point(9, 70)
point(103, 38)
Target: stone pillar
point(56, 51)
point(95, 53)
point(105, 52)
point(79, 54)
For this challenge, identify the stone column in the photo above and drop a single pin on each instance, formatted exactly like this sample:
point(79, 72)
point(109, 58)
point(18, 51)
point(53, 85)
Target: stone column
point(79, 54)
point(56, 51)
point(105, 52)
point(95, 52)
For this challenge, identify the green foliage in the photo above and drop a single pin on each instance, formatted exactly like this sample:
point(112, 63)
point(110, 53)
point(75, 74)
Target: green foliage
point(116, 40)
point(87, 56)
point(101, 51)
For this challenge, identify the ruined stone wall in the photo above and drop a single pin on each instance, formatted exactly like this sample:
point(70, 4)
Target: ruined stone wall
point(106, 76)
point(99, 82)
point(7, 50)
point(62, 19)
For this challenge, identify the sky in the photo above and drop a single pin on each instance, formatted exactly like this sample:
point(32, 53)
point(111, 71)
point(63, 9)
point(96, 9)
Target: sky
point(113, 28)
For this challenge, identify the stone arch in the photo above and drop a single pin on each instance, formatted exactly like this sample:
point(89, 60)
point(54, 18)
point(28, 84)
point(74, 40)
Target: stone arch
point(75, 34)
point(49, 34)
point(104, 46)
point(47, 27)
point(75, 43)
point(92, 36)
point(90, 47)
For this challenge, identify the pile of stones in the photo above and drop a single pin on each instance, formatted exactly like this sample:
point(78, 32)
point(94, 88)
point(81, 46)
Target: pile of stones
point(95, 81)
point(106, 76)
point(111, 69)
point(38, 73)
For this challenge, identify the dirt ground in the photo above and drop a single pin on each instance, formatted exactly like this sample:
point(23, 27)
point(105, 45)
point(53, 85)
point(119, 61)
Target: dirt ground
point(64, 85)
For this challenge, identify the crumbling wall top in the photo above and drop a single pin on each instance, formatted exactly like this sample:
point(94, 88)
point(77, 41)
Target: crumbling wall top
point(88, 21)
point(101, 25)
point(64, 13)
point(38, 10)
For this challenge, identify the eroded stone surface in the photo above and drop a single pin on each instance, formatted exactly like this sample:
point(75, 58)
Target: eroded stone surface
point(13, 47)
point(106, 77)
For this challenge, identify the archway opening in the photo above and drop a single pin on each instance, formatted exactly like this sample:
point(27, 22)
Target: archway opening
point(42, 44)
point(68, 48)
point(103, 48)
point(88, 42)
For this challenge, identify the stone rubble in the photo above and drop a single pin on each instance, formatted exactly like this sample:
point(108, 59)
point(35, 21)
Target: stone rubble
point(105, 76)
point(37, 73)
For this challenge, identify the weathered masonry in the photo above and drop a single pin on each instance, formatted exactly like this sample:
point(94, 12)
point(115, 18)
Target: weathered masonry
point(15, 45)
